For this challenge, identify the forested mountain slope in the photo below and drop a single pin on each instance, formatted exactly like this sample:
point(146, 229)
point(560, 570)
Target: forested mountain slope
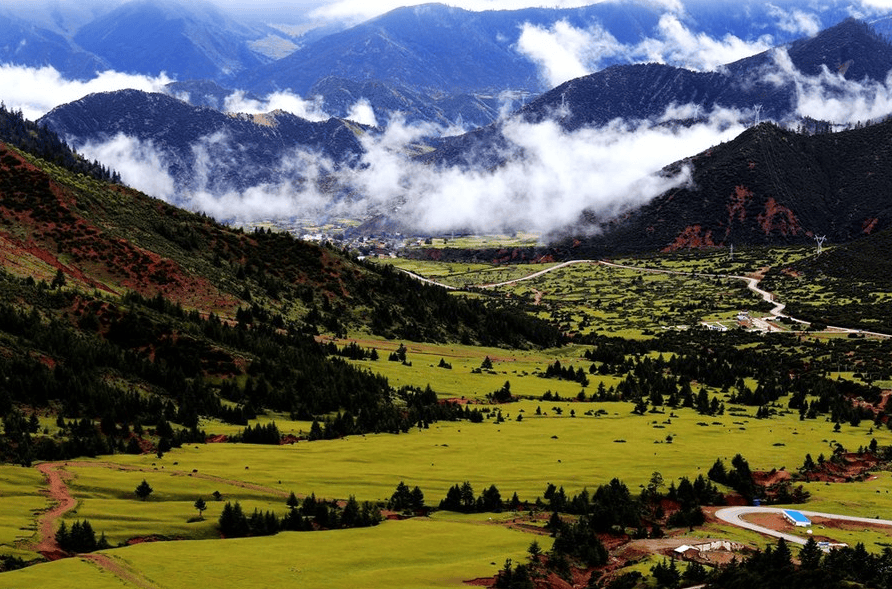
point(769, 185)
point(115, 305)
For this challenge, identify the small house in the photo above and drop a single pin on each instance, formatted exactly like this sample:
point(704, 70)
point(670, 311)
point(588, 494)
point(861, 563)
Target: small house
point(796, 518)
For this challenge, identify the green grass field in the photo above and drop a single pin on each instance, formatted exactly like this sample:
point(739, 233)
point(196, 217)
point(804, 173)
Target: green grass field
point(20, 499)
point(517, 456)
point(523, 457)
point(571, 444)
point(406, 554)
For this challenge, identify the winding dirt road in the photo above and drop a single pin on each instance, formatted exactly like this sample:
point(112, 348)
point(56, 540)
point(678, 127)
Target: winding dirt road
point(46, 526)
point(58, 492)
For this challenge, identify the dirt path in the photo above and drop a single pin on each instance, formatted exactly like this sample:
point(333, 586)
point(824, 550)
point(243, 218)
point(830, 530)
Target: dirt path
point(105, 562)
point(58, 492)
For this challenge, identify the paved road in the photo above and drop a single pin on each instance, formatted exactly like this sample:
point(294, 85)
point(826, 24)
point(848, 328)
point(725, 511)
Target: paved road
point(734, 515)
point(751, 283)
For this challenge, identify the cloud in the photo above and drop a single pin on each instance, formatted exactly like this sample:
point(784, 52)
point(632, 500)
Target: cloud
point(795, 20)
point(603, 170)
point(875, 6)
point(311, 110)
point(560, 176)
point(141, 164)
point(677, 45)
point(36, 91)
point(831, 97)
point(564, 52)
point(363, 113)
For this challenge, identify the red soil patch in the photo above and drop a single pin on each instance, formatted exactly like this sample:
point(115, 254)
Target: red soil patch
point(778, 219)
point(849, 467)
point(771, 477)
point(737, 204)
point(692, 237)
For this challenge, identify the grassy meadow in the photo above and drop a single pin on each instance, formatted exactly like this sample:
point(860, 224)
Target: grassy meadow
point(520, 447)
point(407, 554)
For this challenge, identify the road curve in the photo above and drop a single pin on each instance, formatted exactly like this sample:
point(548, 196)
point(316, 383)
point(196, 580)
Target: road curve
point(751, 283)
point(734, 516)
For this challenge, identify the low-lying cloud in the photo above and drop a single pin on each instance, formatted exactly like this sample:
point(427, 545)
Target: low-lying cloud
point(829, 96)
point(311, 110)
point(561, 175)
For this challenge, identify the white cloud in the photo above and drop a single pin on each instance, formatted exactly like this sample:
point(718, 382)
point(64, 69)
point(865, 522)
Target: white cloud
point(876, 5)
point(831, 97)
point(311, 110)
point(605, 170)
point(363, 113)
point(36, 91)
point(677, 45)
point(796, 20)
point(140, 164)
point(564, 52)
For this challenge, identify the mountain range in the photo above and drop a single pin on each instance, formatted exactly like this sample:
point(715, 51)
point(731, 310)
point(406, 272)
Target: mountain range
point(852, 49)
point(739, 192)
point(203, 148)
point(430, 53)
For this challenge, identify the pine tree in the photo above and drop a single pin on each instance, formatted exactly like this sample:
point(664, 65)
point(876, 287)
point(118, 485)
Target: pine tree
point(143, 490)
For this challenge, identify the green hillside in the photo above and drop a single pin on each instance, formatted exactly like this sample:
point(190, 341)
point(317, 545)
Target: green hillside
point(119, 308)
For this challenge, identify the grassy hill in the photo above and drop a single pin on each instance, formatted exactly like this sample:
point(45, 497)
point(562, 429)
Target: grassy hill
point(120, 308)
point(847, 285)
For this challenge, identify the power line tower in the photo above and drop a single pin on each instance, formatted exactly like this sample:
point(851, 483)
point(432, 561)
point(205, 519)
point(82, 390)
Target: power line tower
point(757, 109)
point(820, 241)
point(732, 252)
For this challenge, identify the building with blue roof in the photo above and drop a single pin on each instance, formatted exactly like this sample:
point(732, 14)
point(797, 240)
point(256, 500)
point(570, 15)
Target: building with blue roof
point(796, 518)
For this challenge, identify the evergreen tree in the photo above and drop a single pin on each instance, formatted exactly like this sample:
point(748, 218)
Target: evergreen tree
point(143, 490)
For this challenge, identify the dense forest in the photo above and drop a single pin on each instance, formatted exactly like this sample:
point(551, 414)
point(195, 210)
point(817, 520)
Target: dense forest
point(35, 139)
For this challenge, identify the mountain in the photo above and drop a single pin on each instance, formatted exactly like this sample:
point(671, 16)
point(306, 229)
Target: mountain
point(767, 186)
point(436, 49)
point(645, 91)
point(388, 100)
point(25, 43)
point(236, 151)
point(185, 40)
point(118, 307)
point(851, 48)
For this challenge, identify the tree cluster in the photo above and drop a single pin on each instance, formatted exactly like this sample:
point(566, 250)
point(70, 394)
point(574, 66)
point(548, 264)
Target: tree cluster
point(80, 538)
point(307, 515)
